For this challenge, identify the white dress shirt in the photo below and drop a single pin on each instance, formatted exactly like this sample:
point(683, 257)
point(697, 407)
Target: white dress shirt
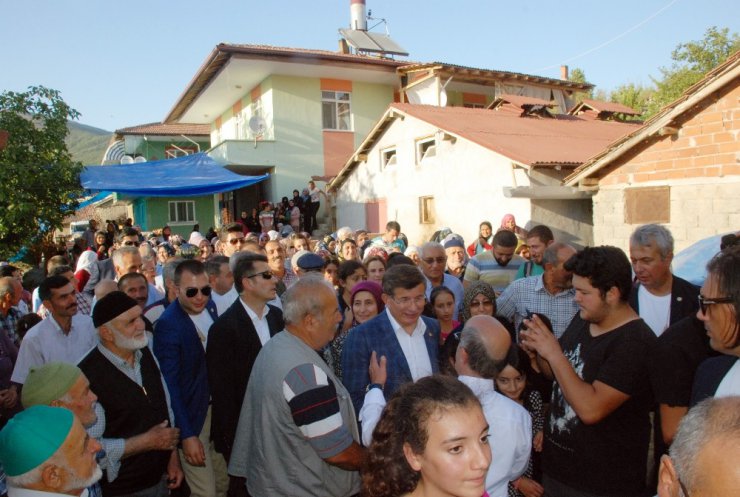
point(414, 347)
point(259, 322)
point(46, 342)
point(224, 301)
point(510, 430)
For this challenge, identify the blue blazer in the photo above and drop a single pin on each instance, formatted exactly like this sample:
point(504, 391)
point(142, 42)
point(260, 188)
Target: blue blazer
point(182, 360)
point(377, 335)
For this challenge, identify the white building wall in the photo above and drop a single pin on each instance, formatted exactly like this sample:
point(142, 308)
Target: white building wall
point(698, 210)
point(465, 180)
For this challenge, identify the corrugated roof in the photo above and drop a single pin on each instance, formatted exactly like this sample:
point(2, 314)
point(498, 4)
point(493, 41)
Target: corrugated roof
point(533, 141)
point(602, 106)
point(519, 101)
point(726, 73)
point(528, 140)
point(163, 129)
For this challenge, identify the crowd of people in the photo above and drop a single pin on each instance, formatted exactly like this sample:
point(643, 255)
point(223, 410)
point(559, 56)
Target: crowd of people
point(256, 361)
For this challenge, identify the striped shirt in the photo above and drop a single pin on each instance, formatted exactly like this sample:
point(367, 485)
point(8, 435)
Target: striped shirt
point(313, 403)
point(485, 267)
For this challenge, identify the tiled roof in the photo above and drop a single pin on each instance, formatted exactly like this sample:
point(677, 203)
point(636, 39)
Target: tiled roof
point(163, 129)
point(520, 101)
point(308, 52)
point(527, 140)
point(223, 52)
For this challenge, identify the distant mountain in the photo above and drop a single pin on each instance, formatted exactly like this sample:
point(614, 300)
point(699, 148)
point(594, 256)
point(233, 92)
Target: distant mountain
point(86, 143)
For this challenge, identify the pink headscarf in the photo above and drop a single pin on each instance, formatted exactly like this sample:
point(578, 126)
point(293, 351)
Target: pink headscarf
point(375, 290)
point(505, 221)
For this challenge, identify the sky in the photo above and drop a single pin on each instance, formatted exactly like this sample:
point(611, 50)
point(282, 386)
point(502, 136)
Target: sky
point(125, 63)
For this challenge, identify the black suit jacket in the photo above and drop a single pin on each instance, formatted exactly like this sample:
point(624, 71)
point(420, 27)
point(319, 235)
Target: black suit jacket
point(684, 301)
point(233, 345)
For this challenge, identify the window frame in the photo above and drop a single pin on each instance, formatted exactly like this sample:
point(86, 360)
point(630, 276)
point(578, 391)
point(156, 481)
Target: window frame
point(336, 118)
point(176, 222)
point(388, 157)
point(426, 209)
point(426, 148)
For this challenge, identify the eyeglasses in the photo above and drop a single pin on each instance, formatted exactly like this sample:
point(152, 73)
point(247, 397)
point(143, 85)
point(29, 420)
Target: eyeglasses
point(481, 303)
point(234, 241)
point(705, 302)
point(129, 243)
point(432, 260)
point(266, 275)
point(405, 301)
point(191, 292)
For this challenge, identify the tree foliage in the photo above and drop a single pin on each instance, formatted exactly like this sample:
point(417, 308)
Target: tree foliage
point(633, 95)
point(39, 181)
point(691, 61)
point(578, 76)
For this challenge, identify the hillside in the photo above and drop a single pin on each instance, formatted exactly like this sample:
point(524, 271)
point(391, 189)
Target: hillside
point(86, 143)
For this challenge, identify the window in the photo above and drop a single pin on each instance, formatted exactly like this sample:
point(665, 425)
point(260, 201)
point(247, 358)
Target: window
point(425, 149)
point(182, 211)
point(335, 110)
point(388, 157)
point(426, 210)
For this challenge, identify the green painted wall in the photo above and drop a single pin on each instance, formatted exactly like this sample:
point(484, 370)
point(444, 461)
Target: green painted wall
point(158, 214)
point(369, 102)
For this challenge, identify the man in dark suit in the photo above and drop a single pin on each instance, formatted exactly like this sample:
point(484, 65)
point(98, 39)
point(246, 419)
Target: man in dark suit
point(234, 341)
point(408, 340)
point(181, 334)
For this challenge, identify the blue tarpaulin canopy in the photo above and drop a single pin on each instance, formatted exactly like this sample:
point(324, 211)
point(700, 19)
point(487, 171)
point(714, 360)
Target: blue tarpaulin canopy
point(186, 176)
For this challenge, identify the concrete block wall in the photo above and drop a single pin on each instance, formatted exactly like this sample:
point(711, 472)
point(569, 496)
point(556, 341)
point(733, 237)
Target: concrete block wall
point(698, 210)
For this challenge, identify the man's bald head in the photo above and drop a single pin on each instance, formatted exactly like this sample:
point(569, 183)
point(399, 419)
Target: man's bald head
point(104, 287)
point(485, 345)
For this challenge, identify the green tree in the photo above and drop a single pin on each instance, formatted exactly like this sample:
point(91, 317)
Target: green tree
point(578, 76)
point(633, 95)
point(39, 181)
point(691, 61)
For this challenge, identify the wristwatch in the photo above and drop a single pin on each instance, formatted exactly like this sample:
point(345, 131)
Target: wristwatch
point(373, 385)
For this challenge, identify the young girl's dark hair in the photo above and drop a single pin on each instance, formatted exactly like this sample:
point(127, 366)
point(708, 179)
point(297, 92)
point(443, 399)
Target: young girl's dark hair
point(404, 421)
point(436, 292)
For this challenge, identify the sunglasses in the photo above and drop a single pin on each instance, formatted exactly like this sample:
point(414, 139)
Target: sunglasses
point(191, 292)
point(705, 302)
point(266, 275)
point(129, 243)
point(481, 303)
point(234, 241)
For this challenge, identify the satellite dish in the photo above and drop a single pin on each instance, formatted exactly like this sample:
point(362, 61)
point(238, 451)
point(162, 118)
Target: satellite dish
point(442, 97)
point(127, 159)
point(140, 159)
point(258, 125)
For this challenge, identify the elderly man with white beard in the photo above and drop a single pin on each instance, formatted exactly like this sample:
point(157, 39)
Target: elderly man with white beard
point(134, 414)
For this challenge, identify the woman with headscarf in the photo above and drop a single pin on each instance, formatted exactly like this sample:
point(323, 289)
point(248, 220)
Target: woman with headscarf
point(508, 223)
point(87, 266)
point(366, 302)
point(485, 238)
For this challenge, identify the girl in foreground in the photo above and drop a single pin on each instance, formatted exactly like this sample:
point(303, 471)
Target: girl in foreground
point(431, 441)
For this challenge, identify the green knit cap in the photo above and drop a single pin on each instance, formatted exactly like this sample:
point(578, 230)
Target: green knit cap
point(47, 383)
point(33, 436)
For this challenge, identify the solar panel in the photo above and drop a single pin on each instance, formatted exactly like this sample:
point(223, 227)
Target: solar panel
point(371, 42)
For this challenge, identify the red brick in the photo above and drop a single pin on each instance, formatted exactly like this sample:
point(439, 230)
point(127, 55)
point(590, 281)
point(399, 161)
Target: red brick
point(712, 171)
point(707, 150)
point(729, 147)
point(664, 165)
point(684, 163)
point(731, 170)
point(723, 137)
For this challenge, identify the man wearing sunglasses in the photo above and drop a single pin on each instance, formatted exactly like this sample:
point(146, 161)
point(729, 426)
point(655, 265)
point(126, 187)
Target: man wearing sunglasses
point(236, 338)
point(719, 308)
point(180, 340)
point(433, 263)
point(232, 238)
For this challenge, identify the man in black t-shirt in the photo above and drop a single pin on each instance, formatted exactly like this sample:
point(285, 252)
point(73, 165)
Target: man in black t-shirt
point(596, 438)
